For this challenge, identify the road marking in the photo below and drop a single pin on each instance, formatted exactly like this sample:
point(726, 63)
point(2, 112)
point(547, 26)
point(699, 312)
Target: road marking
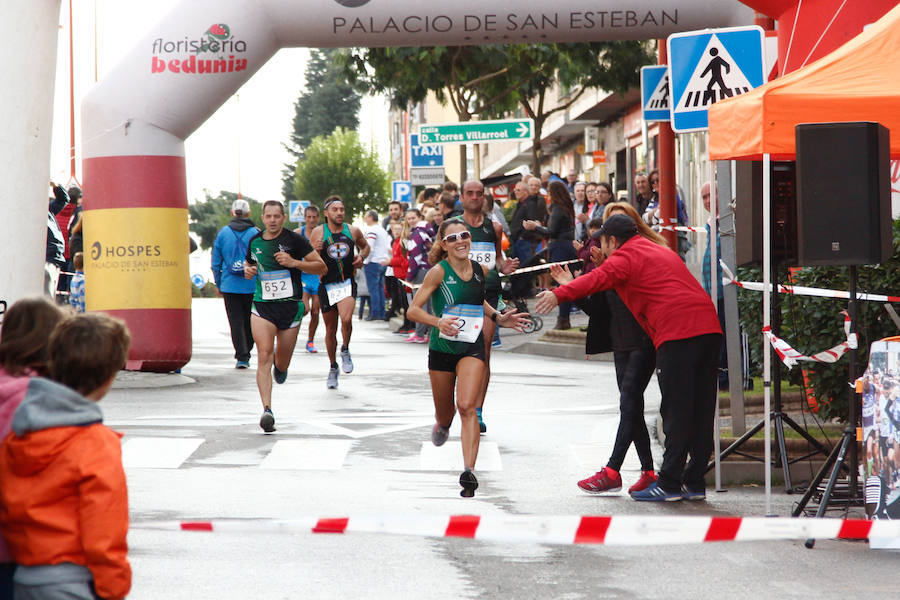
point(156, 452)
point(449, 457)
point(307, 455)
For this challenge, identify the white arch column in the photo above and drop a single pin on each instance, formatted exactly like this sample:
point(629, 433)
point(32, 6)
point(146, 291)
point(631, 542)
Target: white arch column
point(29, 32)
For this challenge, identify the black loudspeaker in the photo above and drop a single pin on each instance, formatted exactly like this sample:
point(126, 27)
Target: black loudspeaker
point(844, 194)
point(748, 240)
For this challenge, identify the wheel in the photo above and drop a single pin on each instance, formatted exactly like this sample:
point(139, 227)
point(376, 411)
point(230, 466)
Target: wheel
point(529, 326)
point(538, 323)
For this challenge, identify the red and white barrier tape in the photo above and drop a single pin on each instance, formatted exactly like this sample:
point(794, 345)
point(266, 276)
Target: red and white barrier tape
point(612, 531)
point(543, 267)
point(791, 357)
point(680, 228)
point(729, 278)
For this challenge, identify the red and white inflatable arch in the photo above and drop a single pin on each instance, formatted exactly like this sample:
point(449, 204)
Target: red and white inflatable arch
point(136, 119)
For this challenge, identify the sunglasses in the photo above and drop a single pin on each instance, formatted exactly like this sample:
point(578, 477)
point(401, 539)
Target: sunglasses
point(457, 237)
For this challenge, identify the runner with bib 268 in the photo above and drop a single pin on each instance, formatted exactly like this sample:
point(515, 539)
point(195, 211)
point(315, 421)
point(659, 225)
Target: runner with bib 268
point(336, 242)
point(276, 257)
point(456, 288)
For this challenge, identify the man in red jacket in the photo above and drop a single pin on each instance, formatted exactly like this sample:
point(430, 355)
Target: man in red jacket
point(679, 317)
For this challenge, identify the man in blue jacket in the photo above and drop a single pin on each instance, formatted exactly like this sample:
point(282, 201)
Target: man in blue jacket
point(228, 254)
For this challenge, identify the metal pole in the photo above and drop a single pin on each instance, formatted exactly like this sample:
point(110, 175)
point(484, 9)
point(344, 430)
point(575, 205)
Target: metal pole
point(852, 414)
point(713, 292)
point(767, 316)
point(71, 92)
point(667, 204)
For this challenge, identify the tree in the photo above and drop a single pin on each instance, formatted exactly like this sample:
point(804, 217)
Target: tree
point(212, 214)
point(453, 73)
point(328, 102)
point(493, 81)
point(534, 69)
point(340, 164)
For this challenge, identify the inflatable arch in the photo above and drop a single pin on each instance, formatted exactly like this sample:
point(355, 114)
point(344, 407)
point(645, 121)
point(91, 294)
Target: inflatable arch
point(136, 119)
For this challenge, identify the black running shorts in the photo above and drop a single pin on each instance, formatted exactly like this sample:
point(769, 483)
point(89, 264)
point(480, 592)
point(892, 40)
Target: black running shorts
point(284, 315)
point(444, 361)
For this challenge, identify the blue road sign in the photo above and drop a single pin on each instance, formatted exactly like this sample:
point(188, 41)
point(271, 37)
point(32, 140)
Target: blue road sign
point(712, 65)
point(297, 208)
point(428, 155)
point(655, 93)
point(198, 280)
point(402, 191)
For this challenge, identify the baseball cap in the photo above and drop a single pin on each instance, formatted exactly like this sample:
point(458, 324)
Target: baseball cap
point(240, 207)
point(621, 227)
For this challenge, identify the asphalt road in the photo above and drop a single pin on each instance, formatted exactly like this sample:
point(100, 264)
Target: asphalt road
point(193, 450)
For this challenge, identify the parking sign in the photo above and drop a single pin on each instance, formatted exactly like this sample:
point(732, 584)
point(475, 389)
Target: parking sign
point(402, 191)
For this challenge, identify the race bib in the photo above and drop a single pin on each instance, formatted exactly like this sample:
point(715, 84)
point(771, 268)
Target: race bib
point(276, 285)
point(469, 321)
point(338, 291)
point(484, 253)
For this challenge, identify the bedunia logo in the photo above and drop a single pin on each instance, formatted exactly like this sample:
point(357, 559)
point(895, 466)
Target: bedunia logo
point(216, 51)
point(352, 3)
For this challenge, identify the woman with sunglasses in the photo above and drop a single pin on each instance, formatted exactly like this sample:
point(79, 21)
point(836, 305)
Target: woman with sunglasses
point(456, 357)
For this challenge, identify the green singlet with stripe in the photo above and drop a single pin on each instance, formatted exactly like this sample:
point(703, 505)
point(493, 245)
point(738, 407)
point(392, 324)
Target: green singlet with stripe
point(454, 290)
point(261, 252)
point(484, 245)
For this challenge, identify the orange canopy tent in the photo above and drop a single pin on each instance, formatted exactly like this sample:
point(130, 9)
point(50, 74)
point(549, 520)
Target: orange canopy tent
point(860, 81)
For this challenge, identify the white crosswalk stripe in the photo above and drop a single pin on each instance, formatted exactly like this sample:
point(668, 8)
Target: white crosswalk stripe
point(157, 452)
point(307, 455)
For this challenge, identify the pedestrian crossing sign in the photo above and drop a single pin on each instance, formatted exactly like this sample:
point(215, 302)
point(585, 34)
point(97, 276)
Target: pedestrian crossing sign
point(655, 93)
point(297, 209)
point(712, 65)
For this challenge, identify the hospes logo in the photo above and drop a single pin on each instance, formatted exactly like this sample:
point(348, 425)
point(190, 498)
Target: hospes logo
point(352, 3)
point(129, 251)
point(96, 250)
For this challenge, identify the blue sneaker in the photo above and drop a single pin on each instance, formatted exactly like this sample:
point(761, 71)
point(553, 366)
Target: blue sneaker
point(278, 375)
point(692, 495)
point(496, 343)
point(242, 364)
point(654, 493)
point(481, 426)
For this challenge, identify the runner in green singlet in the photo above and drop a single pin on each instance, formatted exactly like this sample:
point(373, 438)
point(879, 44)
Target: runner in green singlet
point(456, 288)
point(486, 249)
point(276, 257)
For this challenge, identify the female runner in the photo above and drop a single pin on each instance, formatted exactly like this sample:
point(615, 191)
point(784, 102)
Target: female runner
point(456, 347)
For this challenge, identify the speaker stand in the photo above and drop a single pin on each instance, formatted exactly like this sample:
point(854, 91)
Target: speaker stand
point(777, 415)
point(847, 447)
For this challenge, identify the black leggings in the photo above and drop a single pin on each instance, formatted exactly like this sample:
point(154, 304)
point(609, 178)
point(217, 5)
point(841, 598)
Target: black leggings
point(634, 369)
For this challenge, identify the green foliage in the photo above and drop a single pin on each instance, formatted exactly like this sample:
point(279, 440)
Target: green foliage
point(209, 290)
point(339, 164)
point(212, 214)
point(812, 324)
point(494, 81)
point(329, 101)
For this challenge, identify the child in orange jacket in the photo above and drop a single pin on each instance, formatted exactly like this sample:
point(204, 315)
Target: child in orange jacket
point(63, 496)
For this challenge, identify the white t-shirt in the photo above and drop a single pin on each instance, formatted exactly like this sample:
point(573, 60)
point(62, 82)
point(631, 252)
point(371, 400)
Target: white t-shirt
point(379, 244)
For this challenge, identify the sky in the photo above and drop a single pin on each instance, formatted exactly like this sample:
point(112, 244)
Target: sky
point(258, 118)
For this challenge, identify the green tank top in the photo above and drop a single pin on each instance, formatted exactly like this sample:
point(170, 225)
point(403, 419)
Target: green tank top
point(463, 299)
point(484, 251)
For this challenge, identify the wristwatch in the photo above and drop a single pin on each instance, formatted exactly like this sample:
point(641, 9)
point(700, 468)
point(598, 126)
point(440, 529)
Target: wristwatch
point(494, 316)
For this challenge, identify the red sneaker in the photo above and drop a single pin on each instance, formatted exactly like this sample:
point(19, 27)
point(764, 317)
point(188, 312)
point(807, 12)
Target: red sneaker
point(604, 481)
point(647, 477)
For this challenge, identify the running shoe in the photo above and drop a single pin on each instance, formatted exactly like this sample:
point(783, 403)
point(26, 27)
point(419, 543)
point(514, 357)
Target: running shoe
point(439, 434)
point(647, 477)
point(604, 481)
point(242, 364)
point(310, 347)
point(496, 343)
point(346, 361)
point(278, 375)
point(654, 493)
point(469, 484)
point(688, 494)
point(481, 426)
point(416, 339)
point(267, 421)
point(332, 378)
